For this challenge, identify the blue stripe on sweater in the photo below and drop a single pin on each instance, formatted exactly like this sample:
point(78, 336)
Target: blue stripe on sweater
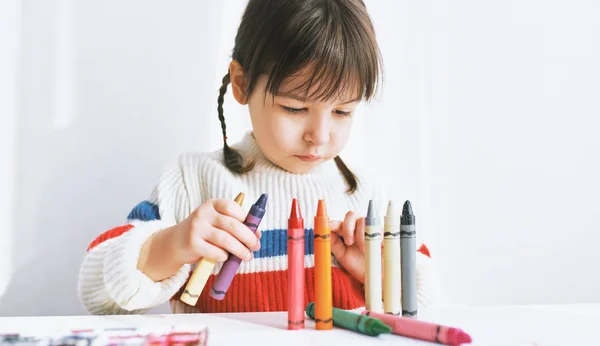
point(274, 243)
point(144, 211)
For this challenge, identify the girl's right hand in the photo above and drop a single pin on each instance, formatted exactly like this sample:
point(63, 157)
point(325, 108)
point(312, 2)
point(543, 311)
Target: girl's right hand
point(213, 230)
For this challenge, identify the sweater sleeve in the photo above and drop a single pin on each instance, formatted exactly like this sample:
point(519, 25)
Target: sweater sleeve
point(109, 280)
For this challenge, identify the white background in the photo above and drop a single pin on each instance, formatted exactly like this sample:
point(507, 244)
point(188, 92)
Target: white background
point(487, 122)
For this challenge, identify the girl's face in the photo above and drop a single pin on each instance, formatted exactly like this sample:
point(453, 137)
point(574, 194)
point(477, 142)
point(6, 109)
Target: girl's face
point(295, 135)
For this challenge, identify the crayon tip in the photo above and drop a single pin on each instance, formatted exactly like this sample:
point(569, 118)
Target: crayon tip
point(407, 208)
point(381, 328)
point(239, 199)
point(407, 217)
point(262, 201)
point(321, 211)
point(464, 338)
point(371, 212)
point(390, 209)
point(295, 212)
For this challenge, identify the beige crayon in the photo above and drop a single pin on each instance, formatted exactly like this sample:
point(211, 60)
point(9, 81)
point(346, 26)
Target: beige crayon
point(373, 235)
point(391, 262)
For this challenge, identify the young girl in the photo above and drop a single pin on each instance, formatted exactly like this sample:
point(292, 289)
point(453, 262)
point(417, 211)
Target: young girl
point(302, 67)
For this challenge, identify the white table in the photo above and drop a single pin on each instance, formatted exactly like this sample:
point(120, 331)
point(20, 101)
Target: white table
point(489, 326)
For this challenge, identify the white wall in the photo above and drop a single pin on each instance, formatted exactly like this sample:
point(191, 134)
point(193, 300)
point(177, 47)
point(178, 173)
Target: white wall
point(486, 123)
point(496, 103)
point(9, 39)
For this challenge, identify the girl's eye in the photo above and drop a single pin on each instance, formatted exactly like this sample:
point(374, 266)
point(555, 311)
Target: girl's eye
point(342, 113)
point(293, 110)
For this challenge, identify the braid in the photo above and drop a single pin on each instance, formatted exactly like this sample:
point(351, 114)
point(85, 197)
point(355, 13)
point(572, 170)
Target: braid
point(220, 100)
point(232, 158)
point(348, 175)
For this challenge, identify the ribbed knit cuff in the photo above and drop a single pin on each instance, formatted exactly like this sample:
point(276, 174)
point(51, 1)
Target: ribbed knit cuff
point(129, 287)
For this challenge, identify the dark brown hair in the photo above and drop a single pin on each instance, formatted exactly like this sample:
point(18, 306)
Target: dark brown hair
point(280, 38)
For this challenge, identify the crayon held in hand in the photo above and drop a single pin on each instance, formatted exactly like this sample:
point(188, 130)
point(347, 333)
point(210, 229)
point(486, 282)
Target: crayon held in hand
point(230, 267)
point(352, 321)
point(322, 245)
point(203, 269)
point(295, 274)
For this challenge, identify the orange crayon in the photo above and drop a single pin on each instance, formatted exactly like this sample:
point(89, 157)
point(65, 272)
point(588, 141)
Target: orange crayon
point(323, 295)
point(295, 274)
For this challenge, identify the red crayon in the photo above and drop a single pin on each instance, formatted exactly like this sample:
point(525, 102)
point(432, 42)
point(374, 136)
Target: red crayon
point(417, 329)
point(295, 272)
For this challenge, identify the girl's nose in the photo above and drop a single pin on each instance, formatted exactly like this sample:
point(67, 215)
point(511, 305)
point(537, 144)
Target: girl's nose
point(318, 131)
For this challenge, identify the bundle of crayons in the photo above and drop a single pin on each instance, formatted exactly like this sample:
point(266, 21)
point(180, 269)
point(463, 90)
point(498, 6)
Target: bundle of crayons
point(399, 261)
point(399, 269)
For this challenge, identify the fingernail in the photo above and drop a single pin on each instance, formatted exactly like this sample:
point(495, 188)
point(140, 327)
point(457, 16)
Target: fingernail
point(257, 246)
point(349, 241)
point(249, 256)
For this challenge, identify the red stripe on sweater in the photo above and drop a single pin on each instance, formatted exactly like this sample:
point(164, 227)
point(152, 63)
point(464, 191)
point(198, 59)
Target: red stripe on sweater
point(267, 291)
point(113, 233)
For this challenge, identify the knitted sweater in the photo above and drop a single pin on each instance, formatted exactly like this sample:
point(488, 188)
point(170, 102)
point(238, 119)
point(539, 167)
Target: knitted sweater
point(111, 283)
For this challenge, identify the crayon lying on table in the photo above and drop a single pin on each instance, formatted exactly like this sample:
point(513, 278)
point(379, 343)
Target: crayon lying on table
point(230, 267)
point(413, 328)
point(295, 273)
point(408, 268)
point(348, 320)
point(322, 245)
point(201, 273)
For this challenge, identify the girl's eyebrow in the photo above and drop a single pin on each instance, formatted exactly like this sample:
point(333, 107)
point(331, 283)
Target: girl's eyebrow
point(302, 99)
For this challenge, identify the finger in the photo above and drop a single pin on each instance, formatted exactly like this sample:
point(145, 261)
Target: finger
point(238, 230)
point(334, 226)
point(338, 249)
point(348, 227)
point(209, 251)
point(359, 234)
point(229, 243)
point(229, 208)
point(348, 258)
point(258, 234)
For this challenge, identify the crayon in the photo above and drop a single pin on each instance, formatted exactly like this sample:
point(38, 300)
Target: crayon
point(295, 274)
point(408, 268)
point(355, 322)
point(373, 237)
point(391, 262)
point(231, 265)
point(413, 328)
point(201, 273)
point(322, 245)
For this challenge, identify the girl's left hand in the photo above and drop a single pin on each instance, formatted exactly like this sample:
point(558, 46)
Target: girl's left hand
point(348, 244)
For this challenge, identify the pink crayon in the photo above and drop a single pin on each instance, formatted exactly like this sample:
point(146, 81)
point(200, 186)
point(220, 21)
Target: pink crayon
point(416, 329)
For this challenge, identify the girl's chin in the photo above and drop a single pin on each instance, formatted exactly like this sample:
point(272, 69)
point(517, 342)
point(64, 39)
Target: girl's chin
point(299, 168)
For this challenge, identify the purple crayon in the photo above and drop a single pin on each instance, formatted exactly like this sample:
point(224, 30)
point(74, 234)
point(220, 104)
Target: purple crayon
point(230, 267)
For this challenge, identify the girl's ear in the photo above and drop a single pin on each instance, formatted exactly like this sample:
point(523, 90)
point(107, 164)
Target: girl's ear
point(238, 83)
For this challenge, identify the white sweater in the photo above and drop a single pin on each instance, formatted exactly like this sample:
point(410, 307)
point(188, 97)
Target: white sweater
point(110, 283)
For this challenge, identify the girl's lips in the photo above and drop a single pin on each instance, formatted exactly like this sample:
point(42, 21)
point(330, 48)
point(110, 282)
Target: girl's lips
point(309, 158)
